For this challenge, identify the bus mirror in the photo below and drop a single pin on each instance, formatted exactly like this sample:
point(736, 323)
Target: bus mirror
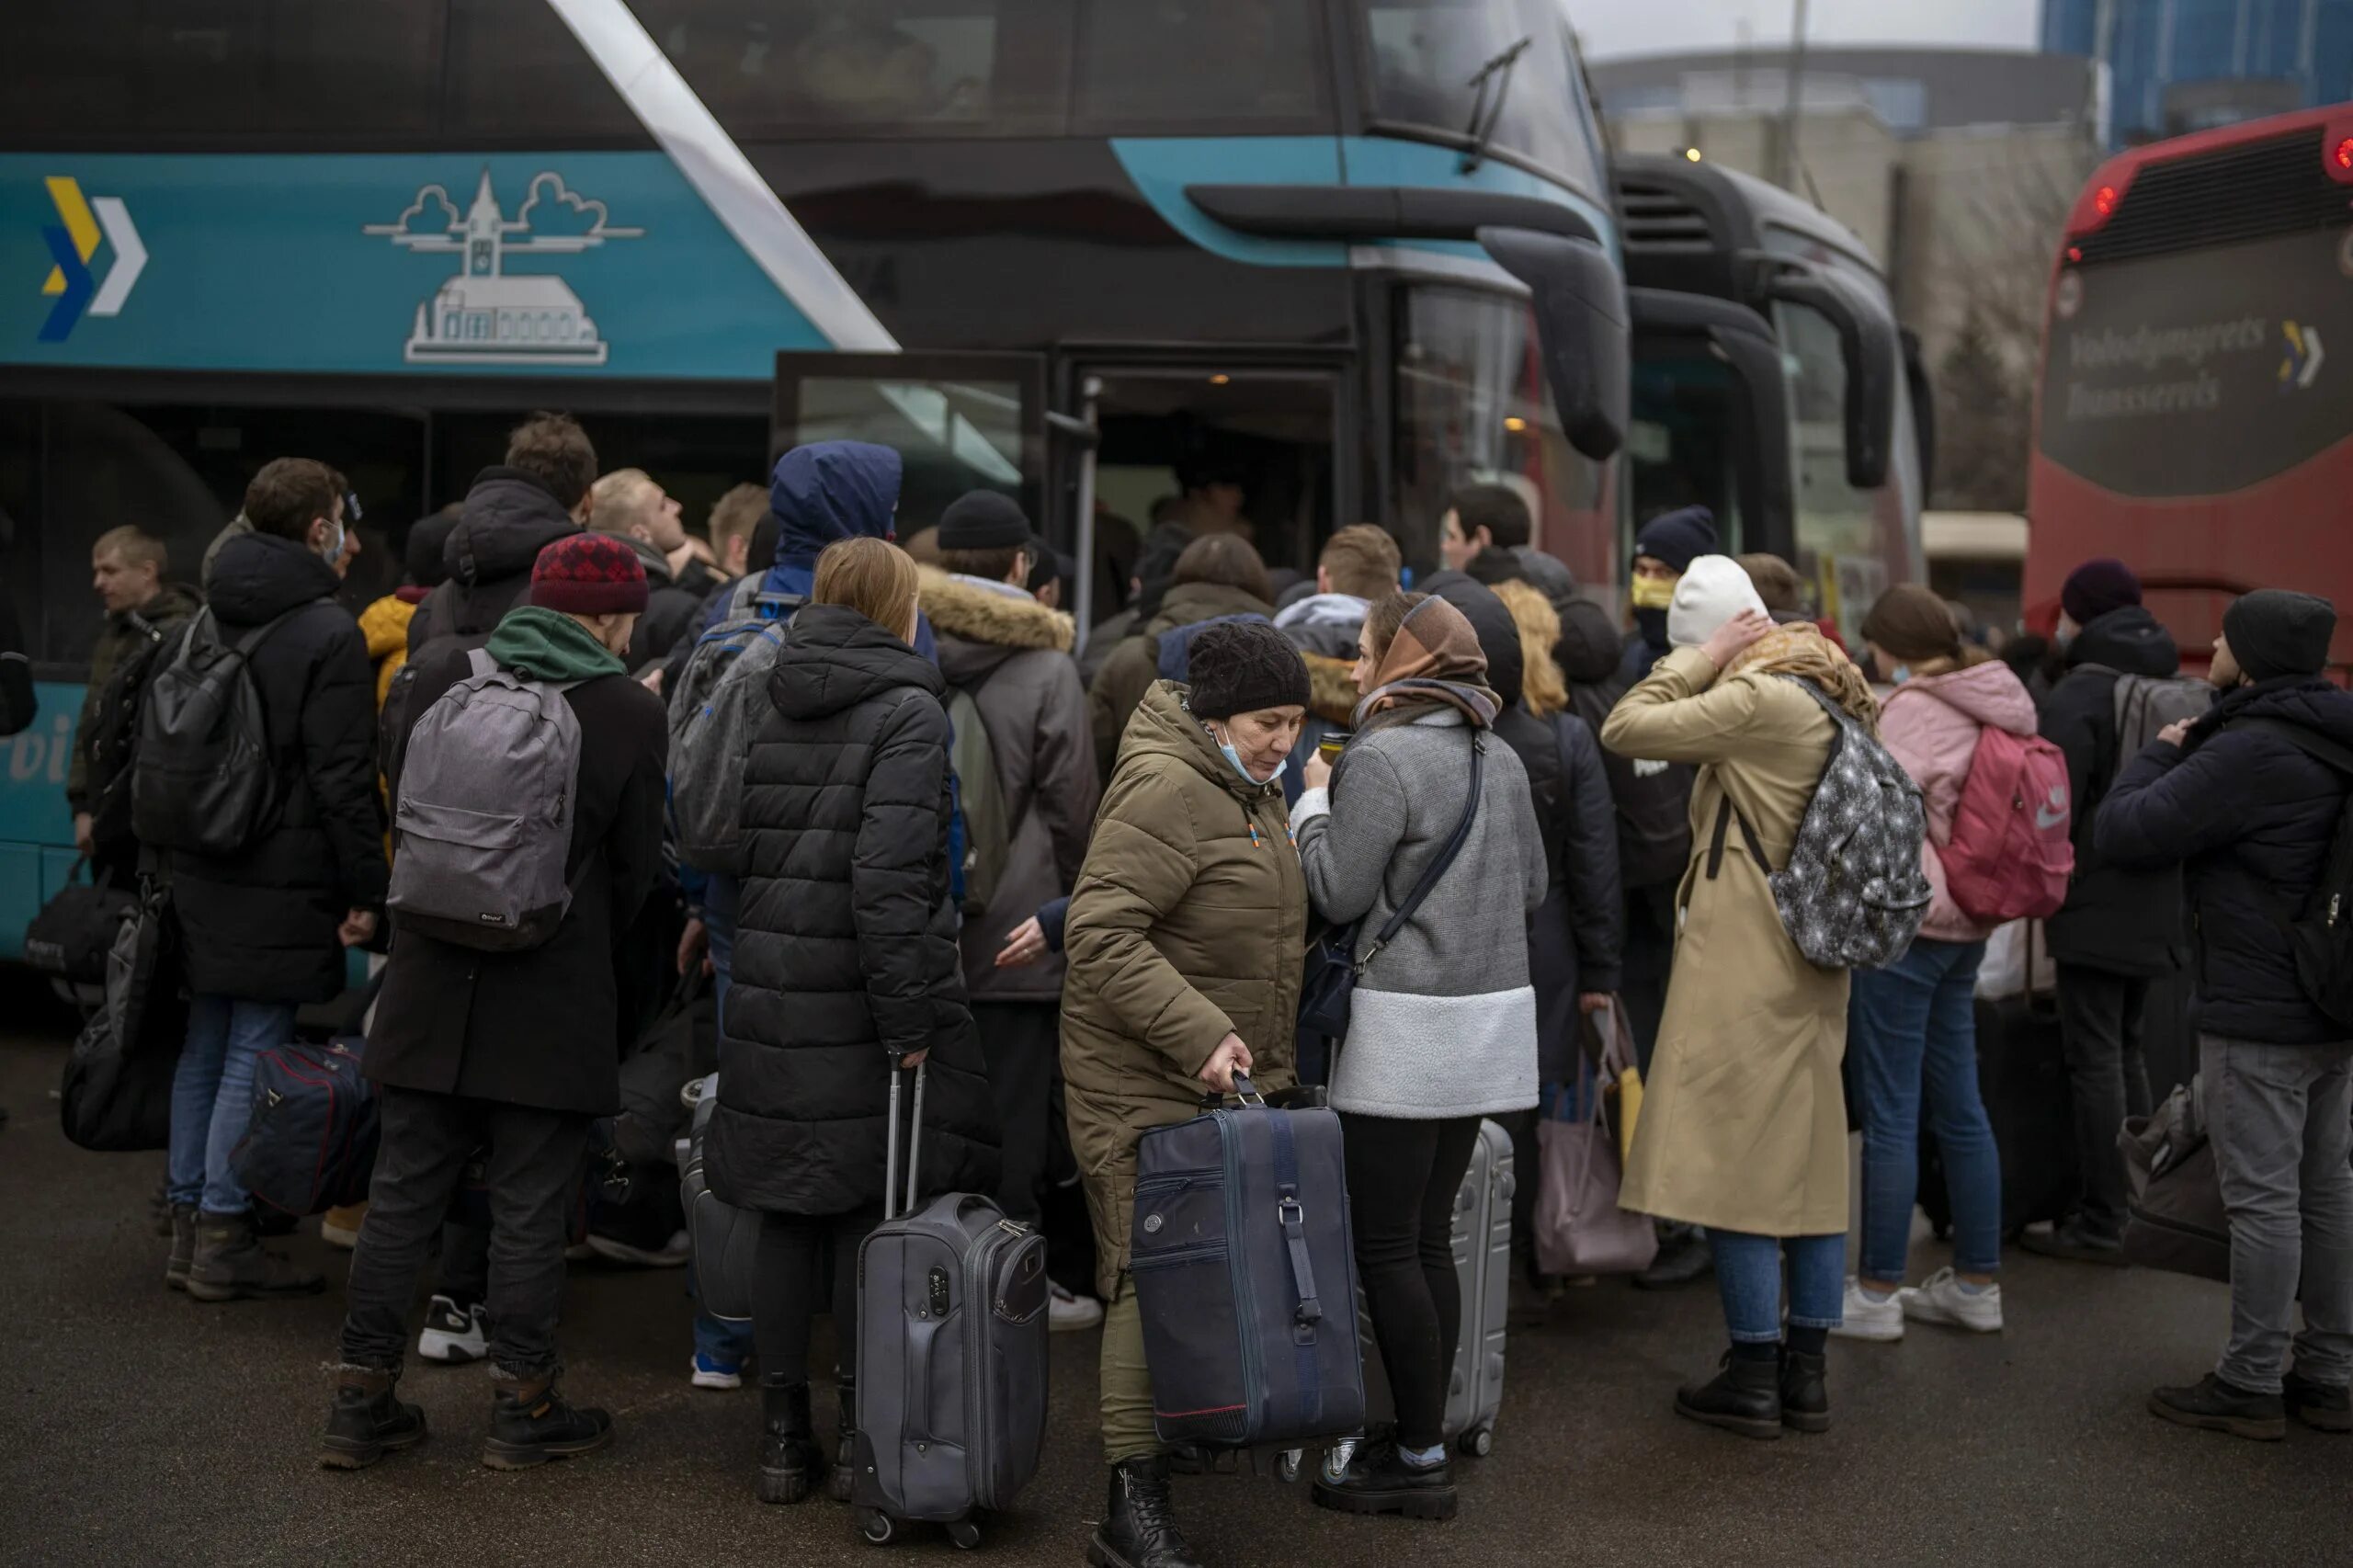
point(1867, 345)
point(1582, 328)
point(1923, 397)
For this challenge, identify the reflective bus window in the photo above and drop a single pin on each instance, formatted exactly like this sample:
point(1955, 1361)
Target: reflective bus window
point(1420, 56)
point(1235, 64)
point(515, 71)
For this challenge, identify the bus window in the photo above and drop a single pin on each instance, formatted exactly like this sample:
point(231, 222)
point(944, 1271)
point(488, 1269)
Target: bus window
point(515, 70)
point(953, 435)
point(1848, 540)
point(1420, 55)
point(1687, 427)
point(1474, 408)
point(1201, 64)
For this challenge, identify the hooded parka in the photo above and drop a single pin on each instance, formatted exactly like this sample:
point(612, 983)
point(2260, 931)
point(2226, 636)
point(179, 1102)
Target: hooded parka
point(507, 518)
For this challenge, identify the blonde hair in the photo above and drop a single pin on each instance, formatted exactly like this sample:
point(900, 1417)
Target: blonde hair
point(623, 496)
point(1541, 686)
point(871, 576)
point(734, 515)
point(139, 548)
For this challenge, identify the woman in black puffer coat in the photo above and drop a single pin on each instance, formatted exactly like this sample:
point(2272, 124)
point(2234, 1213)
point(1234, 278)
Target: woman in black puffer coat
point(847, 970)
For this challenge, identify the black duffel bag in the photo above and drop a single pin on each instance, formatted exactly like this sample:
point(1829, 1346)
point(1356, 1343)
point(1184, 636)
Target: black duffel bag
point(74, 931)
point(116, 1093)
point(2175, 1221)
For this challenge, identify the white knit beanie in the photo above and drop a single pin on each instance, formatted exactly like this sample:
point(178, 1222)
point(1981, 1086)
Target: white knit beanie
point(1710, 593)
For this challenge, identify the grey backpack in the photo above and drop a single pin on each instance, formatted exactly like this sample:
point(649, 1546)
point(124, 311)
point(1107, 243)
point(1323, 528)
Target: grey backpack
point(1854, 892)
point(2146, 705)
point(483, 823)
point(720, 700)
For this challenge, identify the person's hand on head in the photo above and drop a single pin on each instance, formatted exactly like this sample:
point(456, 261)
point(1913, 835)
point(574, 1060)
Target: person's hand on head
point(1737, 636)
point(1230, 1057)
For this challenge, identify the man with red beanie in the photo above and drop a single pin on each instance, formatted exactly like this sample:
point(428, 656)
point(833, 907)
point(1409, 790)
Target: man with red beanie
point(512, 1052)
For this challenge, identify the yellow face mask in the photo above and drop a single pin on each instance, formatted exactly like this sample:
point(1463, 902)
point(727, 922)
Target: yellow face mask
point(1653, 593)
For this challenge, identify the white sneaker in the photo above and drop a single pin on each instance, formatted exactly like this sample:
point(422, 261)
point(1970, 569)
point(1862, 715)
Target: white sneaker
point(1069, 1313)
point(453, 1337)
point(1940, 1298)
point(1867, 1319)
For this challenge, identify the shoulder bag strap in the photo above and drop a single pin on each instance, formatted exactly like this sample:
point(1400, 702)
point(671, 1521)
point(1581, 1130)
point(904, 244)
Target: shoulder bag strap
point(1726, 815)
point(1437, 868)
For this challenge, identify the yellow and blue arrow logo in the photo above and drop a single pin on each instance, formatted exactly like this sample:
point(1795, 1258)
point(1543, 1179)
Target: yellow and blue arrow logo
point(72, 242)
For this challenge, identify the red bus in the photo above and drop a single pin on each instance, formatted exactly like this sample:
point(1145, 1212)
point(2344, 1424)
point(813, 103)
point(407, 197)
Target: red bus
point(2194, 408)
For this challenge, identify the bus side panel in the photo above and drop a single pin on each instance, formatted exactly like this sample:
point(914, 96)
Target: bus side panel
point(36, 825)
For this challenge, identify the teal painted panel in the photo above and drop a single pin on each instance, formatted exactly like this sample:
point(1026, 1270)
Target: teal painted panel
point(526, 262)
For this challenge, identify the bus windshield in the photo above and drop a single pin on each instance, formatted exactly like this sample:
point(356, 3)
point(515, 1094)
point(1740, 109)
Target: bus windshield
point(1421, 57)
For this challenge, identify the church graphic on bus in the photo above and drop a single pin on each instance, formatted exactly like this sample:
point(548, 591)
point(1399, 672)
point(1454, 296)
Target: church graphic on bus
point(486, 315)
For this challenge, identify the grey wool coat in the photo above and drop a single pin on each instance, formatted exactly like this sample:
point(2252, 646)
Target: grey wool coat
point(1443, 1021)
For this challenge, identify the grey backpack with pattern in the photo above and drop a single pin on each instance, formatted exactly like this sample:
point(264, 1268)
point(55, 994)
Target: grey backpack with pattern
point(1854, 892)
point(483, 823)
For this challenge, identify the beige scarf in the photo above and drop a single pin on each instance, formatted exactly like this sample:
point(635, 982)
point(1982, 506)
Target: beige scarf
point(1803, 650)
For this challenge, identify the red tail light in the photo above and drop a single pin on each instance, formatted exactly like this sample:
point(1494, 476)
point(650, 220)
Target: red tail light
point(2100, 197)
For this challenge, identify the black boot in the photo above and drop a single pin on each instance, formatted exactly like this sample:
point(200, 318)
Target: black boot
point(531, 1423)
point(2323, 1407)
point(1805, 1391)
point(1139, 1528)
point(181, 1225)
point(790, 1462)
point(1683, 1258)
point(367, 1421)
point(1379, 1481)
point(230, 1264)
point(1745, 1397)
point(840, 1479)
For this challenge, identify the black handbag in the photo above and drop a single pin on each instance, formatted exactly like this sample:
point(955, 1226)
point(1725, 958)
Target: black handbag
point(1335, 965)
point(74, 931)
point(116, 1093)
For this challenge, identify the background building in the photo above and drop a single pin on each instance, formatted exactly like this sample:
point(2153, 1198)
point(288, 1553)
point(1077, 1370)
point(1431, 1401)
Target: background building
point(2176, 66)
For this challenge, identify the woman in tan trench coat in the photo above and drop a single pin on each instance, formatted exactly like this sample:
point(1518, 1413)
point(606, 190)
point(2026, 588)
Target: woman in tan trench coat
point(1744, 1123)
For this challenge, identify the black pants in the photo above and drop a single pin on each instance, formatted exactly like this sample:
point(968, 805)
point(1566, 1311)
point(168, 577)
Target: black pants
point(800, 1257)
point(465, 1265)
point(1404, 1177)
point(533, 1179)
point(1022, 1043)
point(2100, 1023)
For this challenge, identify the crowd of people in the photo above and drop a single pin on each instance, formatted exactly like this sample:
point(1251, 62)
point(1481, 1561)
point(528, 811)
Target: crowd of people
point(1082, 902)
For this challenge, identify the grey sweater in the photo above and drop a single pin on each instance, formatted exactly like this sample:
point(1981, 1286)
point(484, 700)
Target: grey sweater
point(1443, 1022)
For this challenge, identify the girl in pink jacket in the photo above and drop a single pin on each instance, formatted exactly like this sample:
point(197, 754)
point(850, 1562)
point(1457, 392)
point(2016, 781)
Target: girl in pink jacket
point(1911, 1025)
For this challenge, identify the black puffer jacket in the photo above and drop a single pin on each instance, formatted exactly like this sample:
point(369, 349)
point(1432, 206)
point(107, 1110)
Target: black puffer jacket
point(670, 610)
point(2252, 816)
point(508, 517)
point(845, 953)
point(2118, 920)
point(260, 925)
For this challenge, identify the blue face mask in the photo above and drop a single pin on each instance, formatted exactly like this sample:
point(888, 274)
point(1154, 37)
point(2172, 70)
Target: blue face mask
point(1235, 758)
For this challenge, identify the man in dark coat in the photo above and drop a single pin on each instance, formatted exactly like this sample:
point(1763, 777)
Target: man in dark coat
point(2121, 927)
point(126, 568)
point(2250, 798)
point(265, 929)
point(516, 1052)
point(514, 510)
point(627, 504)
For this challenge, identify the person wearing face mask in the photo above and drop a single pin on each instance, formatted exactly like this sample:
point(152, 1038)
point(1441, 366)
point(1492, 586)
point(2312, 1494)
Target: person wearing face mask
point(1186, 941)
point(265, 928)
point(517, 1052)
point(1442, 1025)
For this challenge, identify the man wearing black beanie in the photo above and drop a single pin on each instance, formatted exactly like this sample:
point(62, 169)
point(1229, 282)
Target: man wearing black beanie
point(2250, 799)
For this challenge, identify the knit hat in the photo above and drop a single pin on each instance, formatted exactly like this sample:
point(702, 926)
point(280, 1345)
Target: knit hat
point(2273, 632)
point(1242, 666)
point(2097, 588)
point(1678, 537)
point(589, 573)
point(423, 555)
point(1910, 622)
point(1713, 589)
point(983, 520)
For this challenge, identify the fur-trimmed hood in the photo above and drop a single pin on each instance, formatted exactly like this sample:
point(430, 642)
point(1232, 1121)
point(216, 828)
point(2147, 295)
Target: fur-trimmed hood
point(1332, 689)
point(978, 614)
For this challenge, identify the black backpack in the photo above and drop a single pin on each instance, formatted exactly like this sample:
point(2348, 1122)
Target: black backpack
point(2321, 934)
point(203, 780)
point(112, 744)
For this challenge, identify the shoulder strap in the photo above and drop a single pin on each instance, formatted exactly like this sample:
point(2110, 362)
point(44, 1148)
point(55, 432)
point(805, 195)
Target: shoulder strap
point(1428, 880)
point(2319, 747)
point(254, 639)
point(1726, 815)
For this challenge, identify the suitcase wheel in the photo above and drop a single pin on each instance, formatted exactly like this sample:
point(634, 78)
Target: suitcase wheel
point(1286, 1466)
point(965, 1533)
point(1479, 1444)
point(875, 1526)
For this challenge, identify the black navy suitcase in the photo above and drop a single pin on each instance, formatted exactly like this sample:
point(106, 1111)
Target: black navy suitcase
point(952, 1354)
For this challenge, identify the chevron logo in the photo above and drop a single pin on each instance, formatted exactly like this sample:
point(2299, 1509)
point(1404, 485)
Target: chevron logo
point(2301, 366)
point(73, 241)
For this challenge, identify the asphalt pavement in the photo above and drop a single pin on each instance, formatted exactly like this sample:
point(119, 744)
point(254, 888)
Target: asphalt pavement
point(139, 1426)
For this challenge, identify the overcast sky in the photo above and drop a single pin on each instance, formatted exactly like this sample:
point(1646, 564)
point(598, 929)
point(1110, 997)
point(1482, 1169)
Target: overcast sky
point(1656, 27)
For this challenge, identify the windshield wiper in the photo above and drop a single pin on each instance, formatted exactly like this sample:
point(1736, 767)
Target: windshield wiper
point(1486, 107)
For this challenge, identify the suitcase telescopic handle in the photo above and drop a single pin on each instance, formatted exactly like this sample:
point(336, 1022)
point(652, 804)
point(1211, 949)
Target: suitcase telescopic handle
point(892, 1203)
point(1246, 1091)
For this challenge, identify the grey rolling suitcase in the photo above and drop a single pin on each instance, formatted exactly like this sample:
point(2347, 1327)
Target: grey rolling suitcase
point(952, 1354)
point(1482, 1268)
point(725, 1236)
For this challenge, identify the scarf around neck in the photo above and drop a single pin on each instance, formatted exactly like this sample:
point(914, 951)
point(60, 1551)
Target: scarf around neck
point(1801, 649)
point(1433, 661)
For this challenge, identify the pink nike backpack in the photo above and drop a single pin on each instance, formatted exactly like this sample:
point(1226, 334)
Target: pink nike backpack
point(2010, 857)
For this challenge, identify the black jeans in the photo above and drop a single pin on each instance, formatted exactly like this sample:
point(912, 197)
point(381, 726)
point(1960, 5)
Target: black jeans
point(2100, 1025)
point(465, 1265)
point(534, 1180)
point(1022, 1044)
point(798, 1257)
point(1404, 1177)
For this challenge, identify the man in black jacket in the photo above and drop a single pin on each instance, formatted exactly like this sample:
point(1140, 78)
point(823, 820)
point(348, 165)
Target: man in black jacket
point(264, 928)
point(539, 494)
point(2250, 798)
point(513, 1051)
point(2120, 930)
point(628, 504)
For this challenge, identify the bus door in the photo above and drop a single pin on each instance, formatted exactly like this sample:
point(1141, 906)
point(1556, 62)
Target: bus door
point(1710, 417)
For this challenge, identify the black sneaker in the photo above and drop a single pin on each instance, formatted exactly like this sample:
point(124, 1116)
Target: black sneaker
point(367, 1421)
point(1379, 1481)
point(2073, 1241)
point(1745, 1397)
point(531, 1424)
point(2213, 1405)
point(2323, 1407)
point(1805, 1391)
point(454, 1335)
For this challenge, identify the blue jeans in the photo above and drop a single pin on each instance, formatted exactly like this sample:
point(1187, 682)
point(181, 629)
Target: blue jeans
point(1748, 1277)
point(718, 1339)
point(1914, 1029)
point(212, 1094)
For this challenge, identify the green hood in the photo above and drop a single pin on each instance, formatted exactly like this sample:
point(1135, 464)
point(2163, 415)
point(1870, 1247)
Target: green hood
point(547, 645)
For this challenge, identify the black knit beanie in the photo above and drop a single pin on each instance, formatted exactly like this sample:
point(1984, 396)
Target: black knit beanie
point(983, 520)
point(1242, 666)
point(2273, 632)
point(1678, 537)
